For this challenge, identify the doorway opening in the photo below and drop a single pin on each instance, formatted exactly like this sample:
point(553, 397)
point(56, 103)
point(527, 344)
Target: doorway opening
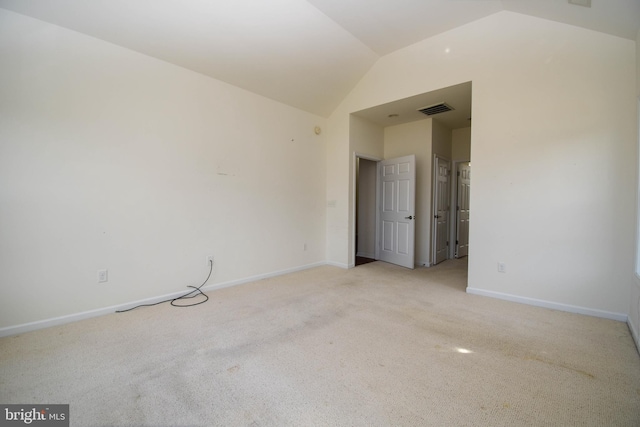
point(398, 128)
point(365, 210)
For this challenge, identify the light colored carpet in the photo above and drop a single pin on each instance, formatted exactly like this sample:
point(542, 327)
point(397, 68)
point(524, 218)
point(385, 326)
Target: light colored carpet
point(376, 345)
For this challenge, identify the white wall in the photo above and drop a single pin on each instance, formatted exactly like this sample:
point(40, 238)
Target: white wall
point(554, 154)
point(461, 144)
point(638, 64)
point(415, 138)
point(441, 140)
point(367, 137)
point(111, 159)
point(634, 304)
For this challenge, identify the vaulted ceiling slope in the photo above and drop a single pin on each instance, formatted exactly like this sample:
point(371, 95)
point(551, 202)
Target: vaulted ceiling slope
point(307, 54)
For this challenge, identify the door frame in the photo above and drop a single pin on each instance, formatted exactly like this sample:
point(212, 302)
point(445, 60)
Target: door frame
point(356, 156)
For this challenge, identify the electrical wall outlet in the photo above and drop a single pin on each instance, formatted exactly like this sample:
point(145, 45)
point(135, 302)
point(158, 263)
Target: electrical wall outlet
point(209, 260)
point(103, 276)
point(502, 267)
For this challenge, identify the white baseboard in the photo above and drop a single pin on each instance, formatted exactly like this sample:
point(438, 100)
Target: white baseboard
point(421, 263)
point(621, 317)
point(634, 333)
point(56, 321)
point(230, 283)
point(339, 264)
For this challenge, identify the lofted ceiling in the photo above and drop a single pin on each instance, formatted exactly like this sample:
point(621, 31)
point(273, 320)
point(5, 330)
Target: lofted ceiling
point(305, 53)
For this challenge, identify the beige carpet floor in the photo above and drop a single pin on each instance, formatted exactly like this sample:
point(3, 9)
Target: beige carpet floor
point(377, 345)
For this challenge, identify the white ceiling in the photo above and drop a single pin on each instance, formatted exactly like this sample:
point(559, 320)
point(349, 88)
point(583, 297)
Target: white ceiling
point(306, 53)
point(385, 26)
point(405, 110)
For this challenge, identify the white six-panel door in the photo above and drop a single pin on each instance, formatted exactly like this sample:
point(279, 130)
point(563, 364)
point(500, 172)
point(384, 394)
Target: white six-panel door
point(440, 246)
point(464, 189)
point(396, 210)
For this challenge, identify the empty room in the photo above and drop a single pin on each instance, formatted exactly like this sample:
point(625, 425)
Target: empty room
point(319, 212)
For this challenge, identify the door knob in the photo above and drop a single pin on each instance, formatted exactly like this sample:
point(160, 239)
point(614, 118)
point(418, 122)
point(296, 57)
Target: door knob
point(408, 217)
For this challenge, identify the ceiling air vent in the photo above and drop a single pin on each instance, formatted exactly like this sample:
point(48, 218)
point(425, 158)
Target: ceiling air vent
point(436, 109)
